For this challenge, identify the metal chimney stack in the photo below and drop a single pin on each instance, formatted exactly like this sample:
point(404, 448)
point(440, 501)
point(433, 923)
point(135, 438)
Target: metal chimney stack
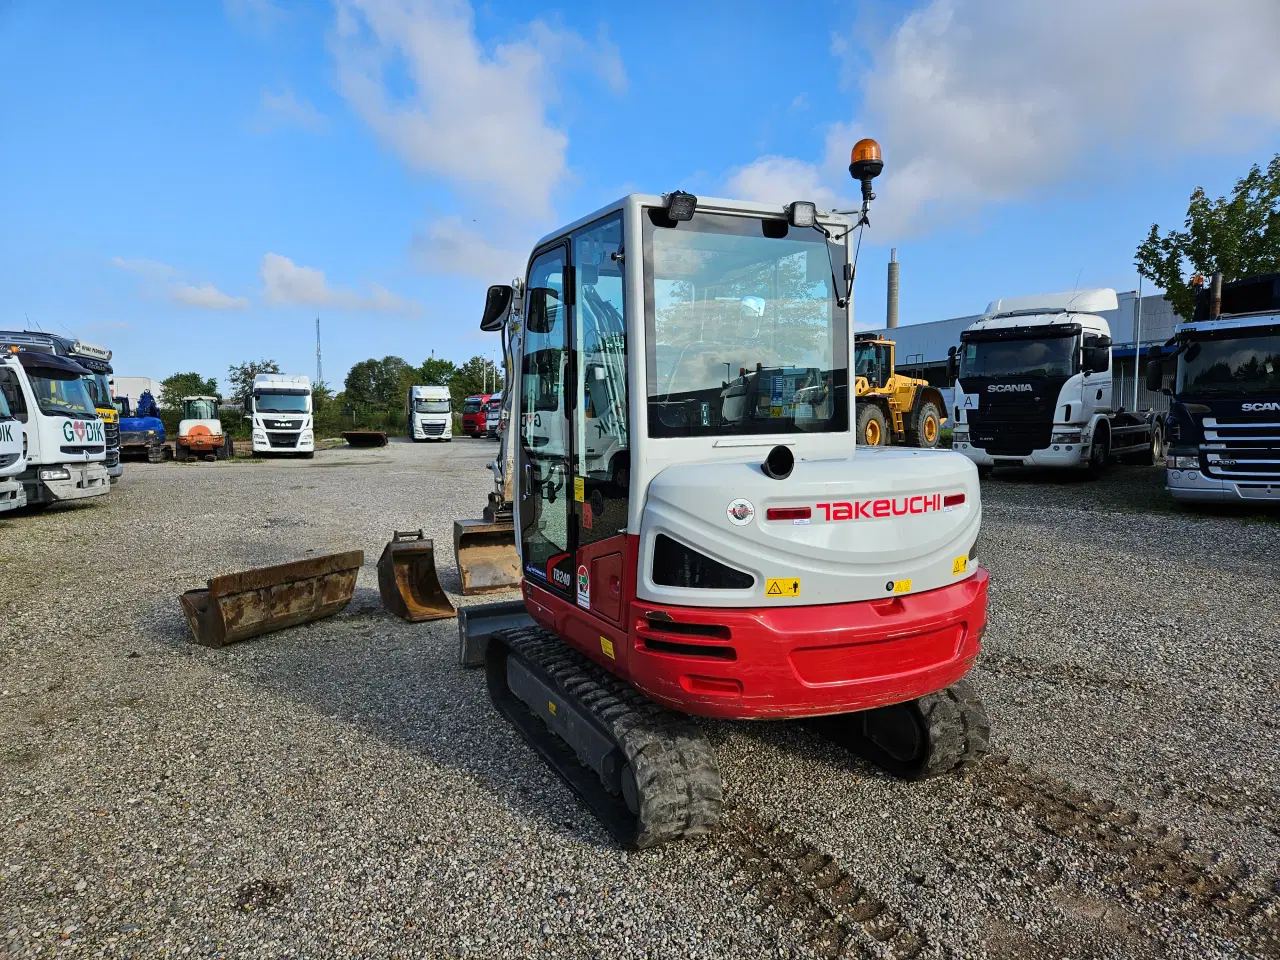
point(891, 305)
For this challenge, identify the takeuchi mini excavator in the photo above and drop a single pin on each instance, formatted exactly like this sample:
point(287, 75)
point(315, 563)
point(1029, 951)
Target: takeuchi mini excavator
point(743, 563)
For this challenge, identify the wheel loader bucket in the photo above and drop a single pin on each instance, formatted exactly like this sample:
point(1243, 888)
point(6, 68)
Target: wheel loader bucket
point(486, 555)
point(365, 438)
point(407, 579)
point(249, 604)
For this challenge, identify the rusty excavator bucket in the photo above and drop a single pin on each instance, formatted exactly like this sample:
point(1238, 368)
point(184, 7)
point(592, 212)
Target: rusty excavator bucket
point(249, 604)
point(407, 579)
point(486, 555)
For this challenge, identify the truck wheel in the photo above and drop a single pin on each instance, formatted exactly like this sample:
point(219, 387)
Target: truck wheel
point(873, 428)
point(1099, 454)
point(309, 455)
point(928, 427)
point(1157, 447)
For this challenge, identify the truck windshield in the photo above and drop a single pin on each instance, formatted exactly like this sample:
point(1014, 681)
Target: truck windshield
point(4, 408)
point(1231, 366)
point(431, 406)
point(99, 391)
point(272, 402)
point(471, 405)
point(1040, 357)
point(744, 334)
point(61, 398)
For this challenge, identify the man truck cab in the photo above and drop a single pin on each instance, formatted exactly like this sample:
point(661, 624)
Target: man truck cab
point(1033, 386)
point(429, 414)
point(65, 439)
point(282, 415)
point(13, 456)
point(1223, 424)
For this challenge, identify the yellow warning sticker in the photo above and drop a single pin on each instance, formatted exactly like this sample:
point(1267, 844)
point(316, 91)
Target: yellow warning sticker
point(551, 707)
point(782, 587)
point(959, 565)
point(606, 647)
point(775, 412)
point(901, 586)
point(579, 489)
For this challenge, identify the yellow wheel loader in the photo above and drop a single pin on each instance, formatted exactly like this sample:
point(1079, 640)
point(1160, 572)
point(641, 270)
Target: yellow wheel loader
point(893, 408)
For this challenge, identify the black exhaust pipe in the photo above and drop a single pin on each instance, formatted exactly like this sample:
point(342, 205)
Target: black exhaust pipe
point(779, 463)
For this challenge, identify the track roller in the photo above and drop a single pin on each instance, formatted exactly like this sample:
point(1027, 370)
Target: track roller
point(649, 774)
point(923, 738)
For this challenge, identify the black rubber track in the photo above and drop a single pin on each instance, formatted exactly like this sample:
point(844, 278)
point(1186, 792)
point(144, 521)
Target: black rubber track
point(677, 779)
point(952, 725)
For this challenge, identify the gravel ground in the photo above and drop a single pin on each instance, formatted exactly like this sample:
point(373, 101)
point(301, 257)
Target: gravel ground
point(344, 789)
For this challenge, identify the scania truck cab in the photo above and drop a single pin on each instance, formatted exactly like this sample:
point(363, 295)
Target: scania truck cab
point(66, 441)
point(429, 414)
point(1033, 386)
point(13, 457)
point(1223, 425)
point(282, 415)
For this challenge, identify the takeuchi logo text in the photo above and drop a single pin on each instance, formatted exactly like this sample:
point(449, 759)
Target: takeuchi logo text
point(884, 507)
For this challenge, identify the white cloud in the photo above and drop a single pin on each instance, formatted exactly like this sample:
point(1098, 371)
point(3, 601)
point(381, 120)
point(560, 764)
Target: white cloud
point(258, 17)
point(284, 109)
point(981, 101)
point(162, 280)
point(286, 283)
point(780, 180)
point(206, 295)
point(473, 115)
point(448, 246)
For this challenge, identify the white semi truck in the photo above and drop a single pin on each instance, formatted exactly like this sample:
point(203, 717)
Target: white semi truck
point(1033, 387)
point(13, 456)
point(65, 438)
point(429, 414)
point(281, 411)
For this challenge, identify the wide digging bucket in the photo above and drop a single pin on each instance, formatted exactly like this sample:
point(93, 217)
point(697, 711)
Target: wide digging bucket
point(407, 579)
point(249, 604)
point(486, 555)
point(365, 438)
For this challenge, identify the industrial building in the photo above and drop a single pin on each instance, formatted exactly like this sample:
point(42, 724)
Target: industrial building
point(922, 347)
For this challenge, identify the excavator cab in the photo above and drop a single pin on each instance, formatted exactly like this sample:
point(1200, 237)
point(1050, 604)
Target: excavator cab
point(694, 534)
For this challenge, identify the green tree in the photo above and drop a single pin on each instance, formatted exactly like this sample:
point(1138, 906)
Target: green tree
point(241, 377)
point(435, 372)
point(1239, 236)
point(469, 380)
point(179, 385)
point(379, 383)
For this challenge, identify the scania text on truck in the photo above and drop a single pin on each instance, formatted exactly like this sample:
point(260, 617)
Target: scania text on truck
point(474, 412)
point(282, 415)
point(1033, 387)
point(13, 458)
point(66, 442)
point(429, 414)
point(1222, 431)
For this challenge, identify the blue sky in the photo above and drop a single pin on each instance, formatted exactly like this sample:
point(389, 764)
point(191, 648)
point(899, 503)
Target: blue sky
point(192, 184)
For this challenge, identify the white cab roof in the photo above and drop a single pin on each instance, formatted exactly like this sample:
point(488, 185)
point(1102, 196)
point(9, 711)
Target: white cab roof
point(281, 380)
point(1079, 301)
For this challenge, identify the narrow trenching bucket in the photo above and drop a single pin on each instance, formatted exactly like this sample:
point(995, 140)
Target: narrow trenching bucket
point(407, 579)
point(486, 555)
point(249, 604)
point(365, 438)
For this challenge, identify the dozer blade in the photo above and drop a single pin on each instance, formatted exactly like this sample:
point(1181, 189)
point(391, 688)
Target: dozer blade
point(365, 438)
point(486, 555)
point(249, 604)
point(407, 579)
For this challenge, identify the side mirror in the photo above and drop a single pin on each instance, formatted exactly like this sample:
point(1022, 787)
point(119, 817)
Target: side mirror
point(1155, 370)
point(953, 365)
point(497, 304)
point(1094, 359)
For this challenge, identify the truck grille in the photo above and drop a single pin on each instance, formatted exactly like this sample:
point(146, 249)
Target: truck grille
point(1009, 438)
point(1242, 449)
point(8, 460)
point(434, 429)
point(77, 449)
point(112, 434)
point(282, 439)
point(113, 457)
